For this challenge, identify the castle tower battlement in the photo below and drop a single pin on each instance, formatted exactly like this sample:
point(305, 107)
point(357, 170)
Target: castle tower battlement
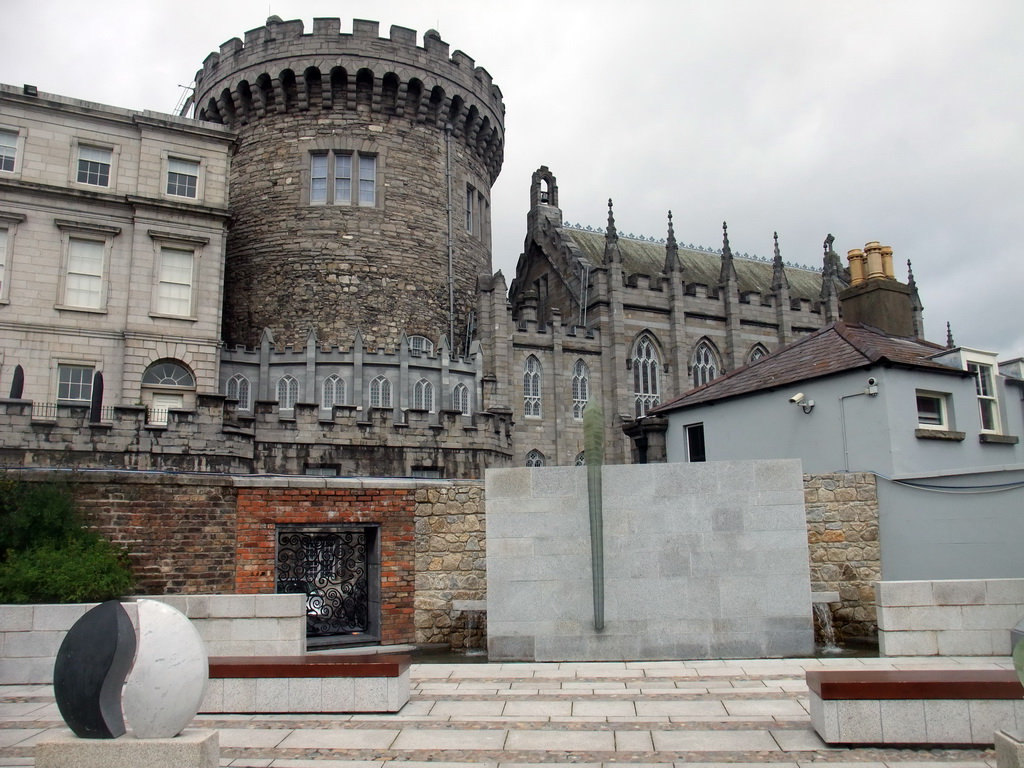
point(360, 188)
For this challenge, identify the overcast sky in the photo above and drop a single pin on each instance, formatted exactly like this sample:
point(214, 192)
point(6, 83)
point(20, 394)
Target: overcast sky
point(895, 121)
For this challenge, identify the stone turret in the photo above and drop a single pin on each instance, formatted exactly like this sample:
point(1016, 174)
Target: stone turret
point(361, 184)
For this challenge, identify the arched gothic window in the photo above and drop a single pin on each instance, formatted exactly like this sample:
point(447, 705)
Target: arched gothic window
point(239, 389)
point(646, 375)
point(460, 398)
point(287, 393)
point(380, 393)
point(423, 395)
point(705, 364)
point(332, 392)
point(531, 386)
point(535, 458)
point(581, 459)
point(580, 388)
point(758, 351)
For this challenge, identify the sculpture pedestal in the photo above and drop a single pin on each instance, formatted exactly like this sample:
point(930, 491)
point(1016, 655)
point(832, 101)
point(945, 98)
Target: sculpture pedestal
point(1009, 749)
point(192, 749)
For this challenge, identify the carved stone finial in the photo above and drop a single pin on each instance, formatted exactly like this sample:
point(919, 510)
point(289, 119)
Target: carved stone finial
point(778, 253)
point(725, 239)
point(949, 336)
point(910, 275)
point(672, 263)
point(611, 220)
point(671, 230)
point(827, 245)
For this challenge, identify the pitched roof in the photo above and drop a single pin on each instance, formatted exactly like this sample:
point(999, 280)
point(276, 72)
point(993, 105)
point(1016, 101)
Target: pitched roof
point(699, 266)
point(836, 348)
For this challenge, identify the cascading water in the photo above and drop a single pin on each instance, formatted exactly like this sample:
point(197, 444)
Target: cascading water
point(474, 635)
point(827, 631)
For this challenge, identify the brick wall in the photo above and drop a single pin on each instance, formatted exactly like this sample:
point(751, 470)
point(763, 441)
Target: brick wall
point(842, 538)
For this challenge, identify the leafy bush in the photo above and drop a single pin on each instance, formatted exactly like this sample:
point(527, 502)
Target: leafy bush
point(47, 555)
point(82, 570)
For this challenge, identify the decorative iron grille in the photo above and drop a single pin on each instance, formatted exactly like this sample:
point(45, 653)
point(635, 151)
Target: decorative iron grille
point(331, 568)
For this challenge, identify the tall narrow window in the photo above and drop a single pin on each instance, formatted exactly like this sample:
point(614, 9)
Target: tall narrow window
point(470, 199)
point(287, 393)
point(646, 376)
point(238, 389)
point(83, 286)
point(531, 387)
point(987, 403)
point(174, 291)
point(333, 392)
point(8, 150)
point(182, 177)
point(535, 459)
point(460, 398)
point(343, 179)
point(580, 388)
point(695, 450)
point(94, 166)
point(705, 364)
point(423, 396)
point(367, 180)
point(3, 261)
point(380, 393)
point(74, 383)
point(318, 179)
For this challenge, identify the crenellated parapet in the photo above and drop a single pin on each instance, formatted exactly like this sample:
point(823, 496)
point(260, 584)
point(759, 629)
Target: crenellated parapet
point(279, 68)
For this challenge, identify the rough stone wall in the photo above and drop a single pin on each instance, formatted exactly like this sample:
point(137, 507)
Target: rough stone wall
point(451, 564)
point(842, 536)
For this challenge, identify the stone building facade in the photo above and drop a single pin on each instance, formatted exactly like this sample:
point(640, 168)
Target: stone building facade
point(112, 231)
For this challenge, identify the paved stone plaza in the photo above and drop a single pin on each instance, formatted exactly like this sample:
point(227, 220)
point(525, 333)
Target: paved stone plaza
point(625, 713)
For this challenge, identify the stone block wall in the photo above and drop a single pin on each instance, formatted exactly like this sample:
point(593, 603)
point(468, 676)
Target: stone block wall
point(842, 537)
point(450, 564)
point(968, 617)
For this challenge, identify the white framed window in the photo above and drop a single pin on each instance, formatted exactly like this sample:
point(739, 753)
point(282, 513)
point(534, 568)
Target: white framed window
point(332, 392)
point(8, 150)
point(695, 448)
point(580, 388)
point(460, 398)
point(168, 373)
point(94, 165)
point(74, 383)
point(646, 375)
point(8, 226)
point(380, 393)
point(423, 396)
point(182, 177)
point(83, 281)
point(240, 389)
point(535, 458)
point(331, 177)
point(287, 392)
point(932, 410)
point(531, 387)
point(705, 364)
point(3, 263)
point(421, 345)
point(174, 284)
point(988, 404)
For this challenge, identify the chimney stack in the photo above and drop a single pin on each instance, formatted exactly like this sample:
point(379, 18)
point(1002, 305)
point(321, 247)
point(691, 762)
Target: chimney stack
point(875, 297)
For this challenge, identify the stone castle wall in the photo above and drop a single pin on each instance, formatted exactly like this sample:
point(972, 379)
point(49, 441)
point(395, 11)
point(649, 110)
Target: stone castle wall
point(295, 264)
point(842, 534)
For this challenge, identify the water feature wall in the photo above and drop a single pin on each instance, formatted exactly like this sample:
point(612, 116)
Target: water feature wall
point(704, 560)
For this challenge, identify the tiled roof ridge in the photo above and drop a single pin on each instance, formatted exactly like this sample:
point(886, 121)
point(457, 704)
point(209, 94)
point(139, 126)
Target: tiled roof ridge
point(688, 247)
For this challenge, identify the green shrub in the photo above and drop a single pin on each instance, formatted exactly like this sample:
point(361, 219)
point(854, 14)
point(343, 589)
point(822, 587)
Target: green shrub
point(85, 569)
point(47, 555)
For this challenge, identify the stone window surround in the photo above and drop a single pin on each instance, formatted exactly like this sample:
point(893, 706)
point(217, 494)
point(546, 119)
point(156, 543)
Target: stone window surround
point(705, 362)
point(9, 226)
point(81, 230)
point(335, 385)
point(19, 150)
point(244, 403)
point(532, 388)
point(165, 166)
point(102, 142)
point(69, 362)
point(648, 395)
point(179, 242)
point(423, 395)
point(580, 388)
point(340, 145)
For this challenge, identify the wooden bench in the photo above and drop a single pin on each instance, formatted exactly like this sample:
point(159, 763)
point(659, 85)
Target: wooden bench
point(315, 683)
point(914, 706)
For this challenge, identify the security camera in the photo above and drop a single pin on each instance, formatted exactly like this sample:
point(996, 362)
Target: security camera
point(796, 398)
point(872, 382)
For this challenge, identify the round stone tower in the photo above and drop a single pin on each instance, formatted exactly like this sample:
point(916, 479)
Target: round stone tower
point(360, 189)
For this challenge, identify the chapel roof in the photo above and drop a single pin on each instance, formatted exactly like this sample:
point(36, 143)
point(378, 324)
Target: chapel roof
point(647, 257)
point(836, 348)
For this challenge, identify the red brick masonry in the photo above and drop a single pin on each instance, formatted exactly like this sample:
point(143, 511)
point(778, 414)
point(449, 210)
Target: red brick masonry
point(915, 684)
